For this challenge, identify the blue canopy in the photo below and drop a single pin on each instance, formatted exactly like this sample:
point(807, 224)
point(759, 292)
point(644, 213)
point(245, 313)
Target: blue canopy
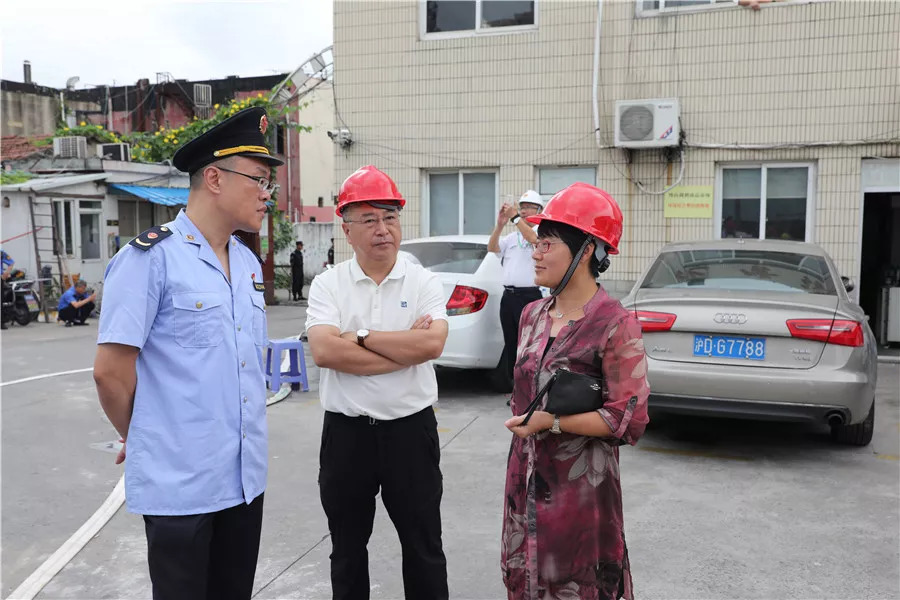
point(166, 196)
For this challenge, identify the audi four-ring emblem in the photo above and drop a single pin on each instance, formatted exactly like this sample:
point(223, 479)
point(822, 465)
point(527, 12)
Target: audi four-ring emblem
point(730, 318)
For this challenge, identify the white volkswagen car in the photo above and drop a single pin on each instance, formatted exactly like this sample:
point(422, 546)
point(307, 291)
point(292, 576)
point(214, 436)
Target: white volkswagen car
point(473, 285)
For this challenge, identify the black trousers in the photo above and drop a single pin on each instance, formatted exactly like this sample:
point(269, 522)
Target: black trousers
point(512, 303)
point(297, 284)
point(210, 556)
point(80, 314)
point(402, 458)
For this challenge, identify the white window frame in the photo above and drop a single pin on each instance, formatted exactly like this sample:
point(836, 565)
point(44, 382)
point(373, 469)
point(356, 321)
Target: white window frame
point(60, 225)
point(425, 223)
point(478, 31)
point(100, 231)
point(539, 168)
point(809, 233)
point(639, 10)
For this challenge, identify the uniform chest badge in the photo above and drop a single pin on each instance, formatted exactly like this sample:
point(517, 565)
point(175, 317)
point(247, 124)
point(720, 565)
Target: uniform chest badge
point(257, 285)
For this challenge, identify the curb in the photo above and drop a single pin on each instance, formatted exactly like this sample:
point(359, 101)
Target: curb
point(890, 360)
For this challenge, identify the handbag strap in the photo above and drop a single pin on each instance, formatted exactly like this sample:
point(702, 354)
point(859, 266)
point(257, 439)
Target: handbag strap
point(537, 399)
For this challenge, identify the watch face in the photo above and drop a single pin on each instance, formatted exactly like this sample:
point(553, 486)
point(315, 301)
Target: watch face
point(362, 333)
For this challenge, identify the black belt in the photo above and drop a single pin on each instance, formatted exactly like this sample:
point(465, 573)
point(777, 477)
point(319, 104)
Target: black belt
point(364, 419)
point(520, 290)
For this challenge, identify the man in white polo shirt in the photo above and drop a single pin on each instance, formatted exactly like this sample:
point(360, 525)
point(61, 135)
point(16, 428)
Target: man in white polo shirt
point(374, 323)
point(515, 250)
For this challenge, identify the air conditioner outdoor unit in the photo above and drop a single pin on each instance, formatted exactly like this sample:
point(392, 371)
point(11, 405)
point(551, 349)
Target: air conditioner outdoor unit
point(647, 123)
point(73, 146)
point(114, 151)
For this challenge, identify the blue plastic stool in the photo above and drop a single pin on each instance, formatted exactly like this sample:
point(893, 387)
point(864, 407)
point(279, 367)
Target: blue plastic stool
point(297, 370)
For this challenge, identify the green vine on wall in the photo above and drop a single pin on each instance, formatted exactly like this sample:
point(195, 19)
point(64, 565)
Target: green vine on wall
point(157, 146)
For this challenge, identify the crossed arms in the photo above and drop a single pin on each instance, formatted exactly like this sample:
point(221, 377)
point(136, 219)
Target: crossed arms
point(385, 351)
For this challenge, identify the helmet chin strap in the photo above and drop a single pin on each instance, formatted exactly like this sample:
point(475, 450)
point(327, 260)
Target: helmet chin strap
point(599, 252)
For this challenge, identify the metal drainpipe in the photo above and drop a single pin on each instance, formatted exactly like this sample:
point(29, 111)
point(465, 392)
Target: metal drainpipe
point(287, 157)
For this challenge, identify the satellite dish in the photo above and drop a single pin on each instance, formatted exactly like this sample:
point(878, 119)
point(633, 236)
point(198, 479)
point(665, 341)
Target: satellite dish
point(71, 81)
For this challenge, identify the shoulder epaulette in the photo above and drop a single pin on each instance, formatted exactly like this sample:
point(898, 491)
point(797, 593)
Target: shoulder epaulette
point(258, 257)
point(151, 237)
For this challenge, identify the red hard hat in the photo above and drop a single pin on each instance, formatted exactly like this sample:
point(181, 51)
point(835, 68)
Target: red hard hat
point(368, 184)
point(588, 209)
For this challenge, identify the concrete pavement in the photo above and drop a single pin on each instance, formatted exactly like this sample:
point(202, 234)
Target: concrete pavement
point(714, 508)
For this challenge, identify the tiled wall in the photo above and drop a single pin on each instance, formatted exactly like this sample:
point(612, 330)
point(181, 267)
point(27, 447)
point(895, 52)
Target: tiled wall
point(794, 73)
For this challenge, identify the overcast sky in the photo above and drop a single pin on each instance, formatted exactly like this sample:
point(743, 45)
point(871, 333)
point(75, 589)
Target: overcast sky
point(121, 41)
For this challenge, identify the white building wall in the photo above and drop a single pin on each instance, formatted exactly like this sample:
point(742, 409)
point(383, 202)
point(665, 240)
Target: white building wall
point(317, 149)
point(811, 82)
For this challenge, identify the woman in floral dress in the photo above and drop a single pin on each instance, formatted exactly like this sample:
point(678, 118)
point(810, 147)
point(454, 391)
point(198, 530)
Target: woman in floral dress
point(563, 535)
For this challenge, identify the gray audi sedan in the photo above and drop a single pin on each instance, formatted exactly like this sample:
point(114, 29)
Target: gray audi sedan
point(757, 329)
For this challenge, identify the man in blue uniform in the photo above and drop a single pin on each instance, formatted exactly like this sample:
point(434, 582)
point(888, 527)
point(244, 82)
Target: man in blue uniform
point(75, 305)
point(179, 369)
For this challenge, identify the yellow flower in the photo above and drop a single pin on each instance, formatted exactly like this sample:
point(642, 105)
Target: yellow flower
point(156, 134)
point(259, 95)
point(215, 106)
point(65, 128)
point(83, 123)
point(162, 128)
point(182, 129)
point(195, 118)
point(99, 126)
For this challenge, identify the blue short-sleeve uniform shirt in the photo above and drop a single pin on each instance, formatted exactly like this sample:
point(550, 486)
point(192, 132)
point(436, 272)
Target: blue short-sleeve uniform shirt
point(197, 442)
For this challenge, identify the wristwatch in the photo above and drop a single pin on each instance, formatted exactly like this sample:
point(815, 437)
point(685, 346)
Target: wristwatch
point(555, 429)
point(361, 335)
point(515, 219)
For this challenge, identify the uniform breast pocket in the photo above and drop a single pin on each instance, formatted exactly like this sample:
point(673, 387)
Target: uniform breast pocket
point(199, 319)
point(259, 318)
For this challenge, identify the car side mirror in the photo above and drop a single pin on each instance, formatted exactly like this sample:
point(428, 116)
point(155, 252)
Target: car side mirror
point(848, 283)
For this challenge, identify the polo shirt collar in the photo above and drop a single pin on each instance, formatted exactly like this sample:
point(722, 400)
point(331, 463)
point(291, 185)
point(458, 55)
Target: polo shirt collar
point(397, 272)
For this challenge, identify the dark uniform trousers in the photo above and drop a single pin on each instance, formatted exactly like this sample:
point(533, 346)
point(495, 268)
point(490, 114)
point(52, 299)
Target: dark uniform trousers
point(210, 556)
point(71, 314)
point(512, 303)
point(401, 457)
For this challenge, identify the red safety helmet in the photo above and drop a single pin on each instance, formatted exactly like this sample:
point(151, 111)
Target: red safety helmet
point(368, 184)
point(588, 209)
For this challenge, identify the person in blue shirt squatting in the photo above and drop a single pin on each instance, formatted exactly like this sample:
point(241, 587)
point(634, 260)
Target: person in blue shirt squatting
point(75, 305)
point(179, 371)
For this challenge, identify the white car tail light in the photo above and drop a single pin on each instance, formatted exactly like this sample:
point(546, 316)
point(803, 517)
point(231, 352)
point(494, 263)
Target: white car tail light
point(466, 300)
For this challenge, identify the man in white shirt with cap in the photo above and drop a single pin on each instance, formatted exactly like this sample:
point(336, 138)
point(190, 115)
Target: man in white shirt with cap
point(515, 251)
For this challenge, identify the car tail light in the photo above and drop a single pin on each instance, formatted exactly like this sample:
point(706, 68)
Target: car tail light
point(840, 332)
point(466, 300)
point(654, 321)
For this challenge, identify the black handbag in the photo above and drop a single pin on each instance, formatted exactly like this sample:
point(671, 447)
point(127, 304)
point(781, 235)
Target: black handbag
point(569, 394)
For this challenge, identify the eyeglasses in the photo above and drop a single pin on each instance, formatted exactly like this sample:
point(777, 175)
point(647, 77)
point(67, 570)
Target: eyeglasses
point(372, 222)
point(263, 182)
point(543, 246)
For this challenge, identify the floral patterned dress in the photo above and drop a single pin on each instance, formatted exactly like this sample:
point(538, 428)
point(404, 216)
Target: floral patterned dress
point(563, 535)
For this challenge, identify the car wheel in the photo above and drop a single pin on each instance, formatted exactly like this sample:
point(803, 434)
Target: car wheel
point(856, 435)
point(498, 377)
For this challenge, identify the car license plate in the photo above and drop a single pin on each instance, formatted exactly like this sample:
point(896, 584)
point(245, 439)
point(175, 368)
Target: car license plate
point(32, 303)
point(724, 346)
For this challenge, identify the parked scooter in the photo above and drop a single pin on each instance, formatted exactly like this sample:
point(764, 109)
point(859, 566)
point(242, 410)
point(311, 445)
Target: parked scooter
point(20, 303)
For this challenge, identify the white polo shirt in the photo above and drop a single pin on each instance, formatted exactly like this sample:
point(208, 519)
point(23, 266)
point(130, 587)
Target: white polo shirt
point(349, 300)
point(518, 266)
